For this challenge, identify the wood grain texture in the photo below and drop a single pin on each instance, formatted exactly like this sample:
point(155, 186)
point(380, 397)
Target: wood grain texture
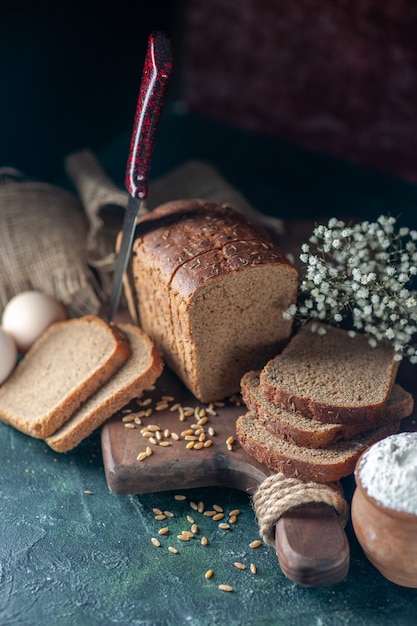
point(311, 546)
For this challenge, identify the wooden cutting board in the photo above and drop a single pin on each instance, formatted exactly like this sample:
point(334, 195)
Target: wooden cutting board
point(311, 546)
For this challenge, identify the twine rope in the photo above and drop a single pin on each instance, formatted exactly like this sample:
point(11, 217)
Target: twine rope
point(278, 493)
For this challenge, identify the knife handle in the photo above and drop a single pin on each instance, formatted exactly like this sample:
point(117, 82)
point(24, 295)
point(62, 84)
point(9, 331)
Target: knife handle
point(156, 75)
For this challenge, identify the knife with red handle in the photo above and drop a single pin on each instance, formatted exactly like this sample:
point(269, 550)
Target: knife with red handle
point(156, 76)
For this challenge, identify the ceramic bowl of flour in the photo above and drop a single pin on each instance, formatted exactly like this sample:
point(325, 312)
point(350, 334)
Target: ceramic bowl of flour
point(384, 507)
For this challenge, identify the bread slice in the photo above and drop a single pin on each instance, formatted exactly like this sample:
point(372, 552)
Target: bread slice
point(322, 465)
point(304, 431)
point(139, 372)
point(210, 289)
point(68, 363)
point(331, 376)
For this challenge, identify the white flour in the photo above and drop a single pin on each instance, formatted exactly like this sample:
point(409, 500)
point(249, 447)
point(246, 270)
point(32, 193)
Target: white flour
point(388, 471)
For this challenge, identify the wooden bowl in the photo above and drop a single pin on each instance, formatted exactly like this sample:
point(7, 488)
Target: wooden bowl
point(388, 537)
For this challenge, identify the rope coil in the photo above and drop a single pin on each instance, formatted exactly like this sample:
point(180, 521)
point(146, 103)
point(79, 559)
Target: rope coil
point(278, 493)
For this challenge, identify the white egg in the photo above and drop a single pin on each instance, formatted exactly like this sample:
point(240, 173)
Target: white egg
point(8, 355)
point(28, 314)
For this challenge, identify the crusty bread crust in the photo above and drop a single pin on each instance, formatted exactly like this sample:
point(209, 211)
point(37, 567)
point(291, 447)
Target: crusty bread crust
point(140, 371)
point(70, 361)
point(194, 263)
point(307, 432)
point(331, 377)
point(321, 465)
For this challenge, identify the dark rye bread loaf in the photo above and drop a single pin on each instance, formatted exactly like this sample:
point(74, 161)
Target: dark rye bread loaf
point(322, 465)
point(331, 376)
point(66, 364)
point(140, 371)
point(209, 288)
point(307, 432)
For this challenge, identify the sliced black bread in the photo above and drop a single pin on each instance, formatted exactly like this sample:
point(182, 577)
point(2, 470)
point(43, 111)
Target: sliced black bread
point(322, 465)
point(330, 376)
point(139, 372)
point(68, 363)
point(304, 431)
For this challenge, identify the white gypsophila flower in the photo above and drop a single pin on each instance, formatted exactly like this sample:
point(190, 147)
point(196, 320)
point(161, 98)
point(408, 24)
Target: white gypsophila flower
point(360, 275)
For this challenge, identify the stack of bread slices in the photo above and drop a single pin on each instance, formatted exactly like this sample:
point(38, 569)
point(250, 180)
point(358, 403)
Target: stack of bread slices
point(316, 406)
point(75, 376)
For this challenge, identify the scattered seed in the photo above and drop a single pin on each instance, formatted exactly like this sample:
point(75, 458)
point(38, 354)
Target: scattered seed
point(183, 538)
point(190, 519)
point(234, 512)
point(175, 436)
point(232, 519)
point(158, 435)
point(153, 428)
point(165, 444)
point(148, 412)
point(148, 451)
point(179, 496)
point(188, 431)
point(128, 418)
point(190, 445)
point(218, 508)
point(209, 513)
point(194, 506)
point(130, 425)
point(168, 398)
point(252, 568)
point(160, 517)
point(188, 533)
point(137, 420)
point(255, 544)
point(169, 513)
point(155, 542)
point(175, 407)
point(230, 440)
point(167, 433)
point(163, 531)
point(194, 529)
point(218, 516)
point(211, 412)
point(224, 526)
point(88, 492)
point(229, 447)
point(204, 541)
point(200, 507)
point(225, 588)
point(209, 573)
point(152, 440)
point(156, 511)
point(198, 445)
point(173, 550)
point(161, 406)
point(239, 565)
point(191, 438)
